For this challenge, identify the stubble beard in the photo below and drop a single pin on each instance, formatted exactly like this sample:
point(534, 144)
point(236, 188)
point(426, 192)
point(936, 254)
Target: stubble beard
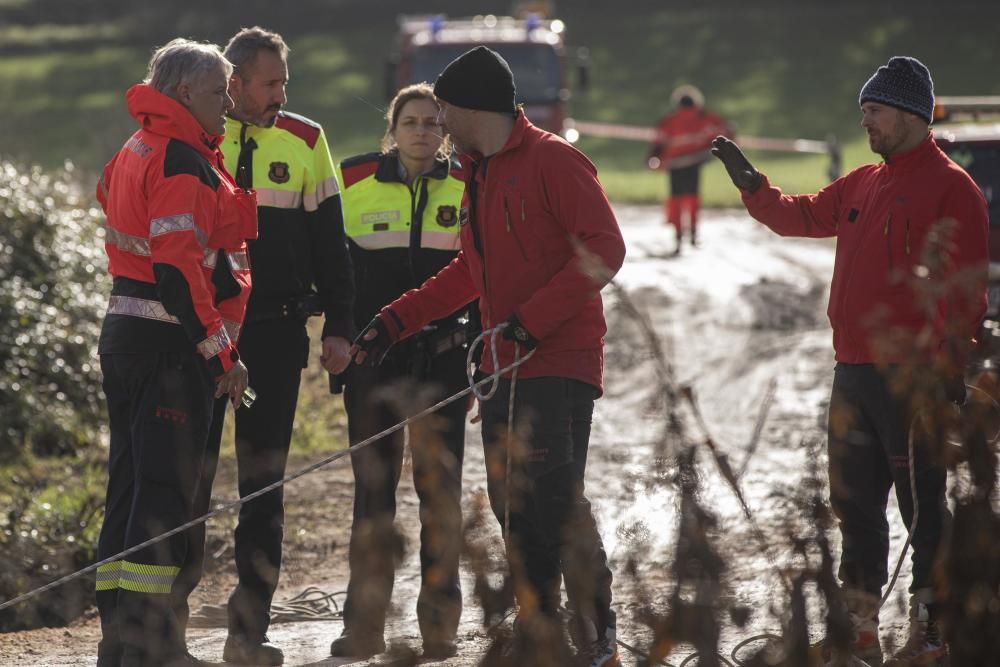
point(259, 119)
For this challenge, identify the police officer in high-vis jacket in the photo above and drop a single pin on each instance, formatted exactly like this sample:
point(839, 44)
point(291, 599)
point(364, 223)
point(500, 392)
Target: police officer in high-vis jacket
point(301, 266)
point(401, 212)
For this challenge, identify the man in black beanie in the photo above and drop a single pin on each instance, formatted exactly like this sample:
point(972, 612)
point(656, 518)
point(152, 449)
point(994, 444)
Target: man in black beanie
point(539, 241)
point(908, 292)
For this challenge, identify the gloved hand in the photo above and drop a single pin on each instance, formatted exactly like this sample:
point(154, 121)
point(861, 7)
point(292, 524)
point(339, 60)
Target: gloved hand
point(744, 176)
point(516, 332)
point(954, 389)
point(378, 337)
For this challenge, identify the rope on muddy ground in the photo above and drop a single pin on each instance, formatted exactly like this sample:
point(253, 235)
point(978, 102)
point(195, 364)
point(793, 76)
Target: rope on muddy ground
point(312, 604)
point(473, 386)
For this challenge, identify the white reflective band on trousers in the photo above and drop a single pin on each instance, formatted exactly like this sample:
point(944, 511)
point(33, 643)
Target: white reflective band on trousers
point(267, 489)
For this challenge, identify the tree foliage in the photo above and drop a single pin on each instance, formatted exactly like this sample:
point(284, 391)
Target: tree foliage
point(52, 292)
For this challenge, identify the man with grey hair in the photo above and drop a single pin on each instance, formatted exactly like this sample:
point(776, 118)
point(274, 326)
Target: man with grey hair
point(176, 235)
point(301, 267)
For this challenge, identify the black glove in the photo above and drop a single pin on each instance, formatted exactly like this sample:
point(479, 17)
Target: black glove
point(387, 327)
point(744, 176)
point(516, 332)
point(954, 389)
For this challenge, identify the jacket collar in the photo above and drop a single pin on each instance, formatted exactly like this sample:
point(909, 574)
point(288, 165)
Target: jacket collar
point(521, 125)
point(907, 161)
point(514, 140)
point(388, 170)
point(167, 117)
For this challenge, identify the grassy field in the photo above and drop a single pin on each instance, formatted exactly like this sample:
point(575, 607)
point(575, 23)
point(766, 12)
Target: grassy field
point(775, 69)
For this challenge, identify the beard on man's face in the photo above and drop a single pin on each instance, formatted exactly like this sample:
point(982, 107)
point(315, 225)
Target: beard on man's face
point(266, 117)
point(248, 113)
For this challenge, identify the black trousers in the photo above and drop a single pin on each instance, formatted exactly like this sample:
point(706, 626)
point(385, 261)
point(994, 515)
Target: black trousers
point(159, 406)
point(275, 352)
point(684, 180)
point(375, 399)
point(194, 560)
point(553, 534)
point(869, 430)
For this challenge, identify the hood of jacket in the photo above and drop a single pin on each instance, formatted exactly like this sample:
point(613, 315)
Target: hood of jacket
point(162, 115)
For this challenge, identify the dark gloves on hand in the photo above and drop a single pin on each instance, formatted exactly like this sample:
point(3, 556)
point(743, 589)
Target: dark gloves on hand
point(954, 389)
point(744, 176)
point(373, 344)
point(516, 332)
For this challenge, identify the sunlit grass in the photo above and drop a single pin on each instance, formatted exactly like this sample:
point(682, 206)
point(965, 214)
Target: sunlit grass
point(49, 34)
point(793, 173)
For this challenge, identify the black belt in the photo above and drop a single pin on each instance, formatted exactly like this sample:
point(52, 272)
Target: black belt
point(301, 308)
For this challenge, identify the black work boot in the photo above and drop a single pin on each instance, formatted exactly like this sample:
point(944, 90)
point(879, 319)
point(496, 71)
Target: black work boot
point(243, 650)
point(109, 654)
point(357, 645)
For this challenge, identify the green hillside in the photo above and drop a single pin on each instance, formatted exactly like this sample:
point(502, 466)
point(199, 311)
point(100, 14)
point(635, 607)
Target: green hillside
point(785, 69)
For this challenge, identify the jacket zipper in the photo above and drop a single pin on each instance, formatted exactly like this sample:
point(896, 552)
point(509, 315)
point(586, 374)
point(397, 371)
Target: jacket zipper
point(513, 230)
point(907, 237)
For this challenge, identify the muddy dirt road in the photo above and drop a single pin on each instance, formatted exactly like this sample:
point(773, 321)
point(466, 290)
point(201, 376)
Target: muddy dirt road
point(742, 311)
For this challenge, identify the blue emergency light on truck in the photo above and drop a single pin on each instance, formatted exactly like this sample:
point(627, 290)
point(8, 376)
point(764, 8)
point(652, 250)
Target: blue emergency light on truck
point(532, 45)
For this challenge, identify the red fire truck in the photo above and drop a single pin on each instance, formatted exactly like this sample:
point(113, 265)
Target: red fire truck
point(530, 42)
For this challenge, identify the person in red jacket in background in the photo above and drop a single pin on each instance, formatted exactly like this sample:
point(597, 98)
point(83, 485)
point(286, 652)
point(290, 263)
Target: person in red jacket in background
point(538, 242)
point(682, 144)
point(175, 238)
point(908, 292)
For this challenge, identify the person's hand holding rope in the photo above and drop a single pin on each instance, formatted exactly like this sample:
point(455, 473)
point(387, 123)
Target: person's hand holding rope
point(516, 332)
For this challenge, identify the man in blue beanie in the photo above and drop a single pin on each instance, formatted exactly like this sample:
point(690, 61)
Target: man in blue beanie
point(908, 292)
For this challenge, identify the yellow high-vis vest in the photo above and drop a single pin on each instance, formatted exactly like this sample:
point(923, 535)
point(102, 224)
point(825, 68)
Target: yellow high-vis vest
point(380, 210)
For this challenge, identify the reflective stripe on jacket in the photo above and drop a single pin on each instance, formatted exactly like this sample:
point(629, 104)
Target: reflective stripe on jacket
point(172, 211)
point(301, 249)
point(398, 237)
point(684, 137)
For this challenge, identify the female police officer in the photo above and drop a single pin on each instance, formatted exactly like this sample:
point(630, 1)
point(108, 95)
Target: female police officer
point(401, 214)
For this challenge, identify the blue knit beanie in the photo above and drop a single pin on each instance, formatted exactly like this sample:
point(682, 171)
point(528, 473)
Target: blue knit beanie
point(903, 83)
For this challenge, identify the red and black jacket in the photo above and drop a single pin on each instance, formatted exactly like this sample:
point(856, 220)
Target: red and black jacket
point(176, 238)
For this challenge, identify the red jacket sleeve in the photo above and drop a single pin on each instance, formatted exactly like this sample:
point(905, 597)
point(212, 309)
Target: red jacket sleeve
point(812, 216)
point(578, 202)
point(439, 296)
point(182, 213)
point(102, 183)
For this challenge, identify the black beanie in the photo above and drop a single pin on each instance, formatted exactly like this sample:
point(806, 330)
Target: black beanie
point(903, 83)
point(478, 79)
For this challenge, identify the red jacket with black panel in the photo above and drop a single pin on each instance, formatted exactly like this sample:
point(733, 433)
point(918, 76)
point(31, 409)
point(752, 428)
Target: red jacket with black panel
point(176, 235)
